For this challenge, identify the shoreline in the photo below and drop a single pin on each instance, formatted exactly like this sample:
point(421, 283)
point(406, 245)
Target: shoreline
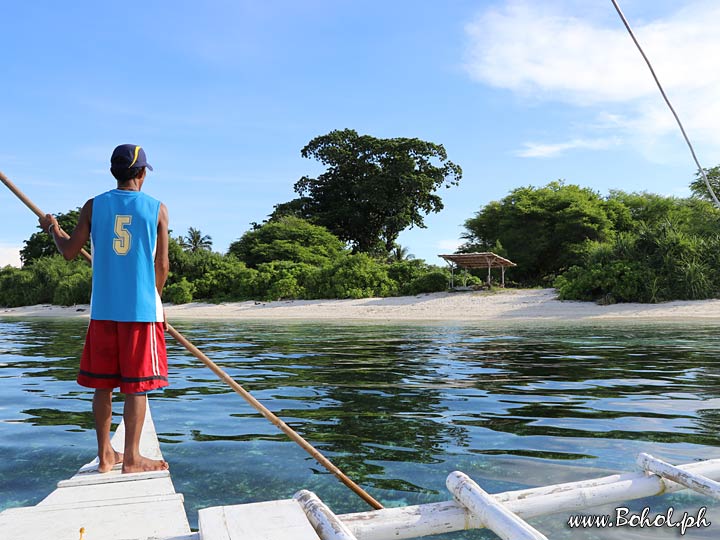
point(498, 305)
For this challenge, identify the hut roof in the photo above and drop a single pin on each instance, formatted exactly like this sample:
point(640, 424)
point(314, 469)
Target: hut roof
point(478, 260)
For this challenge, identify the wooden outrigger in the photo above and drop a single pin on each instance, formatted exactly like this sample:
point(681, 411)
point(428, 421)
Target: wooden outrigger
point(145, 506)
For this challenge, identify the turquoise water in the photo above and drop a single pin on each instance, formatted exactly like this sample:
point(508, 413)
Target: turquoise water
point(396, 407)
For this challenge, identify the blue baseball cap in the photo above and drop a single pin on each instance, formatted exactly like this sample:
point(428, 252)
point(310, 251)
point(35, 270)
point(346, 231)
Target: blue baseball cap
point(127, 156)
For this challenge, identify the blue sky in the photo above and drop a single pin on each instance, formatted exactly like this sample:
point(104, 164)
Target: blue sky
point(224, 94)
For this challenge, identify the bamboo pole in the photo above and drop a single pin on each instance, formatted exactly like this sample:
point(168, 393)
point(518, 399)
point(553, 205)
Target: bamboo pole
point(226, 378)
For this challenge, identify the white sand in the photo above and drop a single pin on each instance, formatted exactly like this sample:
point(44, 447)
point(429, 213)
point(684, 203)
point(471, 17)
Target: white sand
point(503, 305)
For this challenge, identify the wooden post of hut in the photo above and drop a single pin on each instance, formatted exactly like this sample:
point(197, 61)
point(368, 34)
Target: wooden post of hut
point(487, 260)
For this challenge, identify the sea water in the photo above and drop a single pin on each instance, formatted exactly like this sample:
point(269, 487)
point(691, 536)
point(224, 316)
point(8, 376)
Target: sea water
point(396, 407)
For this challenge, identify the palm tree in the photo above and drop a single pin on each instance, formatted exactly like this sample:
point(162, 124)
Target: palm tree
point(400, 253)
point(195, 241)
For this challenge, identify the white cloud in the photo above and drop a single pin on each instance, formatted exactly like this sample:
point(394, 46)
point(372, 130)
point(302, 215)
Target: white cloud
point(448, 246)
point(9, 255)
point(533, 149)
point(556, 52)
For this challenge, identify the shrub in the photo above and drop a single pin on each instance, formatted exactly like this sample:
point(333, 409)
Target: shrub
point(229, 279)
point(17, 288)
point(198, 264)
point(285, 279)
point(48, 272)
point(46, 280)
point(180, 292)
point(74, 288)
point(620, 281)
point(694, 281)
point(355, 276)
point(285, 288)
point(435, 281)
point(403, 272)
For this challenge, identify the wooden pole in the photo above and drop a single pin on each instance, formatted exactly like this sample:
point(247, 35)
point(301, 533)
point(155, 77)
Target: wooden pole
point(452, 274)
point(226, 378)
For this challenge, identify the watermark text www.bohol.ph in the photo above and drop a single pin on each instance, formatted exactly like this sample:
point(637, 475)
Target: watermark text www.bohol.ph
point(623, 517)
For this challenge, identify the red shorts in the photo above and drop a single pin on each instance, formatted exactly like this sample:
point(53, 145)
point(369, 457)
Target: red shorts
point(130, 355)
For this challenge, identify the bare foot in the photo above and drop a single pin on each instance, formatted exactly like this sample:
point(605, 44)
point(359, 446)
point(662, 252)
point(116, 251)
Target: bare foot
point(107, 462)
point(143, 464)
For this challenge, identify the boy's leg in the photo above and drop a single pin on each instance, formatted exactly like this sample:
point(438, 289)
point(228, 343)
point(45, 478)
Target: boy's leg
point(134, 416)
point(143, 367)
point(102, 411)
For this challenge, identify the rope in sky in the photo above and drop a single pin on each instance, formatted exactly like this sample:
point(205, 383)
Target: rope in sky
point(677, 118)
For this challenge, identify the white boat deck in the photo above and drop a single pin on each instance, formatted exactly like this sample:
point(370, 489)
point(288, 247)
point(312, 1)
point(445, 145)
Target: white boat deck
point(272, 520)
point(109, 506)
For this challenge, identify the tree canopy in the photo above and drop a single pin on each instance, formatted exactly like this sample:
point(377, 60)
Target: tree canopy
point(373, 188)
point(287, 239)
point(540, 229)
point(195, 241)
point(41, 244)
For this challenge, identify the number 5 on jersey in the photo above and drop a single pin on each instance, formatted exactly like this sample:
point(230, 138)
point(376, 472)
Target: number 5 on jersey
point(123, 239)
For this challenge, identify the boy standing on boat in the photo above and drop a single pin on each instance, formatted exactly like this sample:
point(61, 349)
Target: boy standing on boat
point(125, 342)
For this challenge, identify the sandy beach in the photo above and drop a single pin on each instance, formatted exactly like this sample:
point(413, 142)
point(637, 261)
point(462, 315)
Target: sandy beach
point(498, 305)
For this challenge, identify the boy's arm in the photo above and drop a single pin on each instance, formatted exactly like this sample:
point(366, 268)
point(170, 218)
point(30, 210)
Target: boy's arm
point(70, 247)
point(162, 260)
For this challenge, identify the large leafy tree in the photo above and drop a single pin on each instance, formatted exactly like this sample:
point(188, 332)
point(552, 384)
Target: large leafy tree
point(543, 230)
point(41, 244)
point(195, 241)
point(287, 239)
point(372, 189)
point(693, 215)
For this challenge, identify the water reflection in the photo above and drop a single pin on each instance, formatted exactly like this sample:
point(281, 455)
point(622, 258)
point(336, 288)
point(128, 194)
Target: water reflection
point(396, 407)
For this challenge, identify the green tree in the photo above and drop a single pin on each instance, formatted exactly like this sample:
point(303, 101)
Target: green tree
point(195, 241)
point(179, 260)
point(287, 239)
point(628, 211)
point(543, 230)
point(399, 253)
point(665, 248)
point(373, 188)
point(41, 244)
point(298, 208)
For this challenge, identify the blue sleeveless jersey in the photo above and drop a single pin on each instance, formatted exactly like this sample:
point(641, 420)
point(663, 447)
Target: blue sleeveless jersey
point(123, 234)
